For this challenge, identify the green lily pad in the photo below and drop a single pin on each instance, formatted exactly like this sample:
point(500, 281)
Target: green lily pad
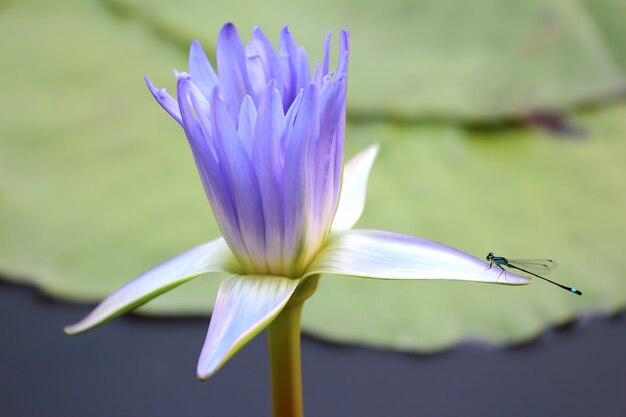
point(97, 185)
point(81, 141)
point(479, 60)
point(520, 194)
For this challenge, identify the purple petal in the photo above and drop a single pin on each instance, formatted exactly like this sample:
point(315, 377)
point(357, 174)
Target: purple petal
point(202, 110)
point(216, 188)
point(165, 100)
point(297, 184)
point(332, 101)
point(267, 161)
point(231, 66)
point(344, 49)
point(241, 178)
point(263, 63)
point(387, 255)
point(209, 257)
point(245, 305)
point(288, 51)
point(304, 71)
point(201, 70)
point(324, 151)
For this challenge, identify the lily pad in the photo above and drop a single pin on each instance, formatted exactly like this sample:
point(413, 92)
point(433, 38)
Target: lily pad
point(97, 185)
point(520, 194)
point(479, 60)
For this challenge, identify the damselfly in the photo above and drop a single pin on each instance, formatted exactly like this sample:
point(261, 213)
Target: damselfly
point(542, 266)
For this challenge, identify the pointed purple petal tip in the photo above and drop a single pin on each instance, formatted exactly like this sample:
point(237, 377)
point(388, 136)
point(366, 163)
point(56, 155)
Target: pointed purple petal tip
point(229, 29)
point(164, 99)
point(195, 45)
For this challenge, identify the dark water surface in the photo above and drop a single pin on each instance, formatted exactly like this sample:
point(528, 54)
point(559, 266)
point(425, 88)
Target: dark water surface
point(146, 367)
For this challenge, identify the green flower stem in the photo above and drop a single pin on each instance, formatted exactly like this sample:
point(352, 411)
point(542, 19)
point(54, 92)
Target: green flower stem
point(284, 350)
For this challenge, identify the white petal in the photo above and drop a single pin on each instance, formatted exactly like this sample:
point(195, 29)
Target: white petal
point(386, 255)
point(245, 305)
point(354, 189)
point(214, 256)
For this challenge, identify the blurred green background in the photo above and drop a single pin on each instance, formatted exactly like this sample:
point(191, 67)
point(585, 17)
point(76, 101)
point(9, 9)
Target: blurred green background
point(502, 127)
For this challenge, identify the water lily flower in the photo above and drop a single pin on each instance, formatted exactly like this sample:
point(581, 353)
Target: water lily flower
point(267, 137)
